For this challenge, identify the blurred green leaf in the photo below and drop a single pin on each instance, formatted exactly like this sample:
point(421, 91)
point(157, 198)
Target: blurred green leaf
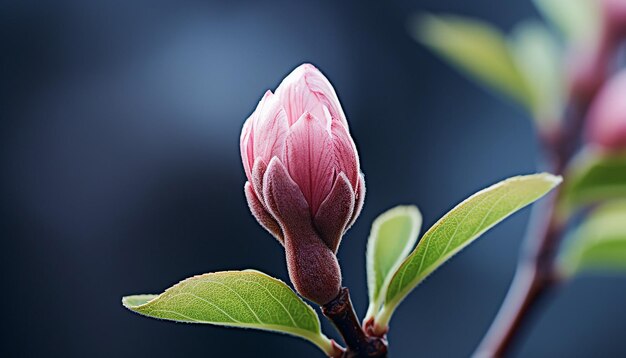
point(477, 49)
point(538, 55)
point(246, 299)
point(460, 227)
point(593, 177)
point(393, 235)
point(578, 20)
point(600, 242)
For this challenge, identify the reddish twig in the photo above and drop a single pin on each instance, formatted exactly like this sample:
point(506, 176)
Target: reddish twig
point(535, 275)
point(533, 279)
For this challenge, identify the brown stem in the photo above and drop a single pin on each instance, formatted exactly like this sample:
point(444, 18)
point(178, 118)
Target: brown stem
point(535, 274)
point(341, 313)
point(533, 279)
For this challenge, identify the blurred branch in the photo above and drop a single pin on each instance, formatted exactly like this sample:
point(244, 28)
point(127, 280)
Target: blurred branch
point(535, 275)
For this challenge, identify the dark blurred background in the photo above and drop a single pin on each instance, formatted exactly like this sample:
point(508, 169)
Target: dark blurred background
point(121, 172)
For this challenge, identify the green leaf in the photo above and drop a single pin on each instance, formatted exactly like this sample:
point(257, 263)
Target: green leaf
point(599, 244)
point(593, 177)
point(477, 49)
point(246, 299)
point(393, 235)
point(578, 20)
point(460, 227)
point(538, 55)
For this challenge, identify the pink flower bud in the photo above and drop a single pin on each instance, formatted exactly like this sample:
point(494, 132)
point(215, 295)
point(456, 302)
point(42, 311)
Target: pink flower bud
point(606, 121)
point(304, 181)
point(590, 62)
point(588, 67)
point(614, 14)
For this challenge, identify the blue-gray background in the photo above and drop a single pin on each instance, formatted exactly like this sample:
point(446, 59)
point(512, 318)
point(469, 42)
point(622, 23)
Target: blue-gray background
point(120, 173)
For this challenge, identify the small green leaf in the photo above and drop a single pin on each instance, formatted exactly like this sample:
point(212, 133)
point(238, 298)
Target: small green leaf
point(538, 55)
point(393, 235)
point(246, 299)
point(599, 244)
point(593, 177)
point(460, 227)
point(578, 20)
point(477, 49)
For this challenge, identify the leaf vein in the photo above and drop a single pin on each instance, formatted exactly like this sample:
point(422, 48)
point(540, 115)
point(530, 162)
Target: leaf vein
point(277, 300)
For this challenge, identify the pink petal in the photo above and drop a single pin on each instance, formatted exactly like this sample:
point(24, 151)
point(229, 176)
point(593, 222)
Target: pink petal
point(309, 159)
point(261, 215)
point(344, 150)
point(245, 146)
point(246, 141)
point(325, 92)
point(335, 212)
point(360, 199)
point(270, 130)
point(256, 115)
point(306, 89)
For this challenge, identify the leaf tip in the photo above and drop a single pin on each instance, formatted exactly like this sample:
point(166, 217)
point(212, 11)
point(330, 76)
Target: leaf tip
point(423, 27)
point(556, 179)
point(553, 179)
point(135, 301)
point(409, 210)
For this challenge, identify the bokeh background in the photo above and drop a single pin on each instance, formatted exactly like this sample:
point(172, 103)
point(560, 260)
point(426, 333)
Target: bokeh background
point(121, 173)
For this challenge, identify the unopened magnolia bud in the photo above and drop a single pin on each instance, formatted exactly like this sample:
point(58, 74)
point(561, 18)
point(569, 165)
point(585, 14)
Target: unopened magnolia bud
point(606, 121)
point(614, 14)
point(588, 67)
point(590, 62)
point(304, 181)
